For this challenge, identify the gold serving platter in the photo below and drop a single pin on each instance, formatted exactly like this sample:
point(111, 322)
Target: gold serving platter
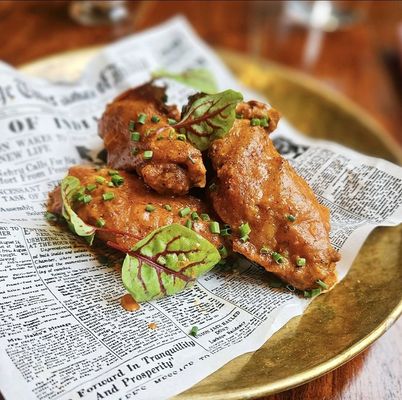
point(342, 323)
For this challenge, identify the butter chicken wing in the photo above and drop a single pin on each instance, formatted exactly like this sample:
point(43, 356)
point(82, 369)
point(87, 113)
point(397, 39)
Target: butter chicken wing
point(137, 136)
point(257, 189)
point(131, 210)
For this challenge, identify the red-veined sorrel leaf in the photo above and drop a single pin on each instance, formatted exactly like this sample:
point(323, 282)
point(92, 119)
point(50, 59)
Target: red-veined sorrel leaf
point(200, 79)
point(167, 261)
point(209, 116)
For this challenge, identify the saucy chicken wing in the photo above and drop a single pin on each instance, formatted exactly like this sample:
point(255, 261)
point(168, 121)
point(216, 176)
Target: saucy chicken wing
point(276, 220)
point(128, 212)
point(137, 136)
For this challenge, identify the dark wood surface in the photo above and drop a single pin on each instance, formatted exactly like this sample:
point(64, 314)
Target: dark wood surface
point(359, 61)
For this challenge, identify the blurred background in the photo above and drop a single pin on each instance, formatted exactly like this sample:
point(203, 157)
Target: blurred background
point(354, 47)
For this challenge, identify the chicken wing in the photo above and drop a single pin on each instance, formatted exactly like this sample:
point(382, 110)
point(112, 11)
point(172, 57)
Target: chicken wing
point(137, 136)
point(133, 210)
point(257, 189)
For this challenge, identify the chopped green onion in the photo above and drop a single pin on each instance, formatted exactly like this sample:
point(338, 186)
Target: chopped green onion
point(278, 258)
point(149, 131)
point(50, 216)
point(108, 196)
point(134, 151)
point(245, 238)
point(205, 217)
point(112, 172)
point(223, 251)
point(194, 331)
point(300, 261)
point(213, 186)
point(191, 159)
point(312, 293)
point(194, 216)
point(100, 179)
point(184, 211)
point(117, 180)
point(87, 199)
point(141, 118)
point(171, 134)
point(131, 125)
point(167, 207)
point(100, 222)
point(255, 122)
point(244, 229)
point(214, 227)
point(322, 284)
point(264, 122)
point(172, 121)
point(150, 208)
point(239, 116)
point(135, 136)
point(226, 232)
point(264, 250)
point(160, 137)
point(155, 118)
point(188, 224)
point(181, 137)
point(291, 218)
point(91, 187)
point(148, 154)
point(110, 184)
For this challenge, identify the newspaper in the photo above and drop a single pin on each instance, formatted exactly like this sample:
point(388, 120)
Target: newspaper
point(63, 333)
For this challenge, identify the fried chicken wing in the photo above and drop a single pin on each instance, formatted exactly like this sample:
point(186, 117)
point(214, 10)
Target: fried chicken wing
point(126, 212)
point(137, 136)
point(254, 185)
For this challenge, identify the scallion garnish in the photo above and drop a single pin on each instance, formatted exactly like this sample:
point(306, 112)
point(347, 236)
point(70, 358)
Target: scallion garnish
point(264, 250)
point(87, 198)
point(91, 187)
point(108, 196)
point(244, 229)
point(188, 224)
point(100, 222)
point(131, 125)
point(134, 151)
point(172, 121)
point(194, 216)
point(255, 122)
point(194, 331)
point(135, 136)
point(50, 216)
point(291, 218)
point(167, 207)
point(150, 208)
point(100, 179)
point(141, 118)
point(117, 180)
point(181, 137)
point(112, 172)
point(226, 232)
point(312, 293)
point(322, 284)
point(148, 154)
point(300, 261)
point(223, 251)
point(205, 217)
point(239, 116)
point(278, 258)
point(184, 211)
point(264, 122)
point(155, 118)
point(214, 227)
point(110, 184)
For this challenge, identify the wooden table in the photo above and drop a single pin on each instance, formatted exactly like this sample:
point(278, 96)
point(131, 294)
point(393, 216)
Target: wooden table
point(352, 61)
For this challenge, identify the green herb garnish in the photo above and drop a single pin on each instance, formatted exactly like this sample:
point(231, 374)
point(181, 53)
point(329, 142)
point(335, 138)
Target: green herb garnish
point(100, 222)
point(194, 331)
point(107, 196)
point(291, 218)
point(184, 211)
point(167, 207)
point(278, 258)
point(300, 261)
point(214, 227)
point(135, 136)
point(148, 154)
point(141, 118)
point(150, 208)
point(322, 284)
point(155, 118)
point(91, 187)
point(117, 180)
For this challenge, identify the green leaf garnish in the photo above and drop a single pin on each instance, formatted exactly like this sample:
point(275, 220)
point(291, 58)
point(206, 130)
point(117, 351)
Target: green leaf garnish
point(167, 261)
point(209, 116)
point(200, 79)
point(70, 188)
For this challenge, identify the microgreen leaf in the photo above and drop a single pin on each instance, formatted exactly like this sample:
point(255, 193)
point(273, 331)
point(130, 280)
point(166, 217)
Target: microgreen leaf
point(200, 79)
point(209, 116)
point(70, 187)
point(167, 261)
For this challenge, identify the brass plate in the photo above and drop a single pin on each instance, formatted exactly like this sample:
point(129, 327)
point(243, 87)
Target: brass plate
point(342, 323)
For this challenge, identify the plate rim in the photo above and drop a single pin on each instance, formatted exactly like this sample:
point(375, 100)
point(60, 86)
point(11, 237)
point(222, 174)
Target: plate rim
point(357, 112)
